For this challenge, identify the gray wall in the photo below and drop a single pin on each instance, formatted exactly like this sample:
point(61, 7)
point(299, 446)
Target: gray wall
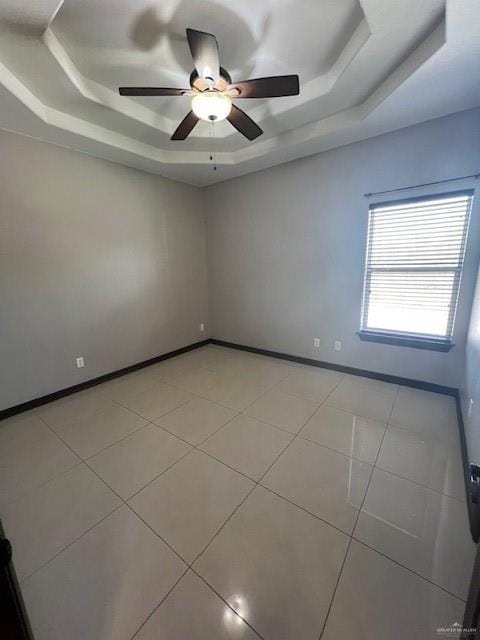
point(471, 383)
point(286, 247)
point(107, 262)
point(95, 260)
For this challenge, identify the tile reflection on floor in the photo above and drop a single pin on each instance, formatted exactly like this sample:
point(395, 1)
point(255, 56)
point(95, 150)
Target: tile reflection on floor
point(222, 494)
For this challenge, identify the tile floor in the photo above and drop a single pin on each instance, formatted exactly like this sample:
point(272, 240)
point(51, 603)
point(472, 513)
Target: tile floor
point(224, 495)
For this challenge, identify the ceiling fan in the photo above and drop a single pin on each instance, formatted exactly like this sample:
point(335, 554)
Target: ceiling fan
point(212, 90)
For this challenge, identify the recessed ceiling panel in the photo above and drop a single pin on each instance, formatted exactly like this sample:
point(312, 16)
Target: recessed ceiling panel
point(65, 62)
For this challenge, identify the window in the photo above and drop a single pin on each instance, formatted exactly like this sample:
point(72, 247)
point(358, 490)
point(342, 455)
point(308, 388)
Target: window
point(415, 252)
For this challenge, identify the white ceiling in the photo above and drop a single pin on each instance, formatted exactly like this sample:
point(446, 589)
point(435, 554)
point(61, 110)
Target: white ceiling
point(365, 67)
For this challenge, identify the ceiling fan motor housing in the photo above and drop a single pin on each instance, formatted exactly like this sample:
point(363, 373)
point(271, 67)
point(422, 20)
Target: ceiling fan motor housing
point(201, 84)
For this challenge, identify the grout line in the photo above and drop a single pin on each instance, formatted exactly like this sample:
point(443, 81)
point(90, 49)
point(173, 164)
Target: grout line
point(57, 553)
point(419, 484)
point(158, 535)
point(196, 446)
point(225, 464)
point(159, 604)
point(160, 474)
point(108, 446)
point(325, 446)
point(355, 524)
point(310, 513)
point(25, 492)
point(257, 633)
point(403, 566)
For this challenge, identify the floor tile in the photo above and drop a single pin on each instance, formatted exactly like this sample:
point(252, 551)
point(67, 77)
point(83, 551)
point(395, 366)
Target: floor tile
point(189, 503)
point(19, 431)
point(276, 565)
point(208, 357)
point(235, 392)
point(421, 529)
point(130, 464)
point(359, 398)
point(47, 519)
point(32, 465)
point(377, 386)
point(102, 572)
point(256, 369)
point(377, 599)
point(247, 445)
point(282, 410)
point(82, 405)
point(104, 585)
point(310, 383)
point(125, 386)
point(426, 459)
point(326, 483)
point(196, 420)
point(426, 412)
point(196, 380)
point(168, 369)
point(192, 611)
point(88, 436)
point(239, 363)
point(345, 432)
point(156, 400)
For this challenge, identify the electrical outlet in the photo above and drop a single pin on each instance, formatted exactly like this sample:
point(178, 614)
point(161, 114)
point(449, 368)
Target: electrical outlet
point(316, 342)
point(202, 327)
point(337, 345)
point(80, 362)
point(470, 408)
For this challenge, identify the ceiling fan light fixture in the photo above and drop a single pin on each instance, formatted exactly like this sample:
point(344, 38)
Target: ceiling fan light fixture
point(211, 106)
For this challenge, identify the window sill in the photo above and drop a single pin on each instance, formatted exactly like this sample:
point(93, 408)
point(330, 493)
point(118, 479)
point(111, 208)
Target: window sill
point(406, 341)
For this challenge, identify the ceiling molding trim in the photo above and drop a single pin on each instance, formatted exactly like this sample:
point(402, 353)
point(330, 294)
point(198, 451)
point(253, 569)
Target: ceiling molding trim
point(315, 130)
point(96, 92)
point(290, 140)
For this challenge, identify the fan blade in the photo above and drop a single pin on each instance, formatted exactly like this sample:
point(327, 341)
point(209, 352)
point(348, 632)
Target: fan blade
point(185, 127)
point(152, 91)
point(243, 123)
point(204, 50)
point(273, 87)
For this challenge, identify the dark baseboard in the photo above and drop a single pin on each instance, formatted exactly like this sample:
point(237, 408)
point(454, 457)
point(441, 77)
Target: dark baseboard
point(56, 395)
point(384, 377)
point(473, 510)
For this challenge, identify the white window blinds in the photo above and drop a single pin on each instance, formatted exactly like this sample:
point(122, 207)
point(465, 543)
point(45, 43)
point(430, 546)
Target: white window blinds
point(415, 253)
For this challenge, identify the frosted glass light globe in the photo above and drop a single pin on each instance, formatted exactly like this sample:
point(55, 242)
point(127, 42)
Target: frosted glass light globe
point(211, 106)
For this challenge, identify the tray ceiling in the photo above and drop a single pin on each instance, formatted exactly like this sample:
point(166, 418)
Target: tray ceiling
point(365, 66)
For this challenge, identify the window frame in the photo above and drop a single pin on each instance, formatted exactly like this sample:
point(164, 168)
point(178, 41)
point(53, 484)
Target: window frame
point(411, 339)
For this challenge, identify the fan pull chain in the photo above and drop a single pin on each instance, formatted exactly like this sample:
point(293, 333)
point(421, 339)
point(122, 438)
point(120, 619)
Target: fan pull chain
point(212, 154)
